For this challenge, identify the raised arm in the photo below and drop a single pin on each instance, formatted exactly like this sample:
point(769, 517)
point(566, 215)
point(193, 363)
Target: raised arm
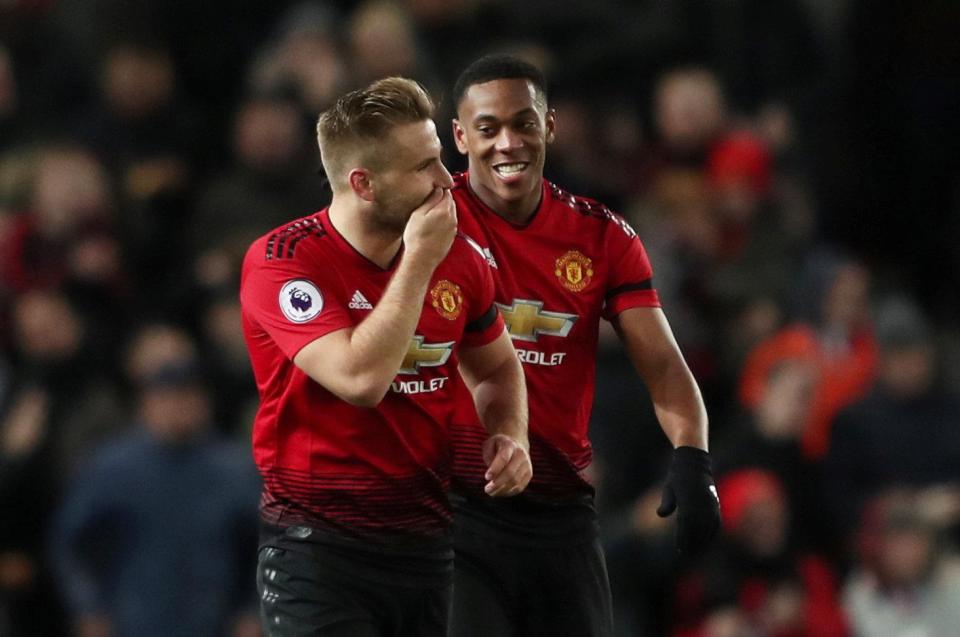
point(495, 378)
point(359, 363)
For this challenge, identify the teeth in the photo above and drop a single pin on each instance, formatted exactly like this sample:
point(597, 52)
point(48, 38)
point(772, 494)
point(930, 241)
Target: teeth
point(510, 169)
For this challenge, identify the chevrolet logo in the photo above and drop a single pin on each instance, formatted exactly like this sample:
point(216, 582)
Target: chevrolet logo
point(526, 320)
point(424, 355)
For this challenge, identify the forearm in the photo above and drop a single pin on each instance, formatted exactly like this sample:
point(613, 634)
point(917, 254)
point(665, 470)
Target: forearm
point(659, 362)
point(379, 342)
point(679, 406)
point(358, 364)
point(494, 376)
point(501, 402)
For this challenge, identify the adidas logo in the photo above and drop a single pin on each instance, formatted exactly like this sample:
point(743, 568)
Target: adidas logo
point(359, 302)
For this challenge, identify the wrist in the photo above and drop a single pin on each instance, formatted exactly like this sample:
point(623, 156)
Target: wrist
point(518, 439)
point(420, 260)
point(694, 458)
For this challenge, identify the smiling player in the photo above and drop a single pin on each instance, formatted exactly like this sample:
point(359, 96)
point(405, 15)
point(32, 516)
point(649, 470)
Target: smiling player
point(533, 565)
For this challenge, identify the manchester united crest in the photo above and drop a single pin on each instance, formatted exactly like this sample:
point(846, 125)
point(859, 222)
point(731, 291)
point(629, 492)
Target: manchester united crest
point(574, 270)
point(447, 299)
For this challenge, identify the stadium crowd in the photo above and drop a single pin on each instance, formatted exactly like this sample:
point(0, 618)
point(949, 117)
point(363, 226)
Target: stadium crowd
point(791, 168)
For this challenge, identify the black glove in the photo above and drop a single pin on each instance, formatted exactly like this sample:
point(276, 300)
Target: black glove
point(690, 488)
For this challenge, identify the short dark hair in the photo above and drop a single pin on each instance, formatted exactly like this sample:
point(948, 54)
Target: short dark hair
point(498, 67)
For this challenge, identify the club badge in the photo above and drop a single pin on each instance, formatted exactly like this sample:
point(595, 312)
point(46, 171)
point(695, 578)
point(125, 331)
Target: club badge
point(574, 270)
point(447, 299)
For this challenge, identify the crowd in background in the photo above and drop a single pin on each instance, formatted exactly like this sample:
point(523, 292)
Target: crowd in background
point(791, 167)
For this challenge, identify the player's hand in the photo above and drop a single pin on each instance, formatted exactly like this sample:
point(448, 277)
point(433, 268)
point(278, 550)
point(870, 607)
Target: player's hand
point(431, 228)
point(691, 492)
point(508, 466)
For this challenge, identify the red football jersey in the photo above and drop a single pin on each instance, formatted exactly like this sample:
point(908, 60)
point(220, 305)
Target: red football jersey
point(369, 473)
point(573, 263)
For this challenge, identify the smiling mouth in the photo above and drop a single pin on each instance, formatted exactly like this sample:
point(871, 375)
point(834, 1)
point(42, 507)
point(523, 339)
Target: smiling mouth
point(511, 169)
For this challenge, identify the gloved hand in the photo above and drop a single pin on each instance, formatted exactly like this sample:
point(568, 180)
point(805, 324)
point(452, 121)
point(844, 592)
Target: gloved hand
point(690, 489)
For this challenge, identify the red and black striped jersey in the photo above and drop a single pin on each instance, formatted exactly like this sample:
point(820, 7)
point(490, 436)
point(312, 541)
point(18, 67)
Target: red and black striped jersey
point(373, 473)
point(574, 262)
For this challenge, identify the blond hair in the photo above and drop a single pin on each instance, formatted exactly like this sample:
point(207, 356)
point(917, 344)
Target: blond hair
point(353, 130)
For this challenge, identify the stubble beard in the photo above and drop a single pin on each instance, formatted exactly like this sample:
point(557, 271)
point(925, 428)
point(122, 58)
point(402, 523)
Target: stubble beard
point(389, 219)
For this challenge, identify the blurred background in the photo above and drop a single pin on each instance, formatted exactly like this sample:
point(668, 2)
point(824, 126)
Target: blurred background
point(791, 167)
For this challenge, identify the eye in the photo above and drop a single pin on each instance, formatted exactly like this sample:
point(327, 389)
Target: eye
point(486, 131)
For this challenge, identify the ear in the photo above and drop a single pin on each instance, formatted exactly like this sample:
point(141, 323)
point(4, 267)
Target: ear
point(361, 183)
point(459, 136)
point(550, 123)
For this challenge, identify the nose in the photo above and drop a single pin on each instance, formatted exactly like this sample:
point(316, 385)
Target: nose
point(507, 140)
point(444, 180)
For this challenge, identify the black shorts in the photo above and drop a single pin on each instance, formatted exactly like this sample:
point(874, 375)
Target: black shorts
point(311, 588)
point(507, 590)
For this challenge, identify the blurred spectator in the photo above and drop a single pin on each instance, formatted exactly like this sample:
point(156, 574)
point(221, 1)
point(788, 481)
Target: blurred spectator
point(66, 230)
point(905, 432)
point(642, 563)
point(304, 58)
point(768, 437)
point(716, 236)
point(835, 332)
point(152, 141)
point(756, 582)
point(157, 535)
point(754, 256)
point(55, 408)
point(690, 114)
point(140, 123)
point(631, 456)
point(906, 582)
point(602, 140)
point(27, 493)
point(63, 235)
point(272, 180)
point(65, 398)
point(383, 42)
point(444, 26)
point(226, 359)
point(9, 101)
point(155, 346)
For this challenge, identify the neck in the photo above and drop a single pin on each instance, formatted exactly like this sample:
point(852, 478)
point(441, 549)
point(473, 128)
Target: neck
point(353, 221)
point(518, 211)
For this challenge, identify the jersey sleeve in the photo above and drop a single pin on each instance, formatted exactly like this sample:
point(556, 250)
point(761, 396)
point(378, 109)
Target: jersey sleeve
point(484, 322)
point(292, 302)
point(630, 279)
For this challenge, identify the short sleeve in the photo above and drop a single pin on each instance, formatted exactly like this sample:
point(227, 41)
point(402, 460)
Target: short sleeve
point(484, 322)
point(292, 303)
point(630, 280)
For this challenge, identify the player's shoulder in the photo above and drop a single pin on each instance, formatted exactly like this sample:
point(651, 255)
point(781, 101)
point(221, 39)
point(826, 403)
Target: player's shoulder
point(466, 248)
point(586, 210)
point(285, 242)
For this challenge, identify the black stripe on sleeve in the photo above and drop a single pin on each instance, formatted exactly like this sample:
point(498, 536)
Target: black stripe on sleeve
point(646, 284)
point(484, 321)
